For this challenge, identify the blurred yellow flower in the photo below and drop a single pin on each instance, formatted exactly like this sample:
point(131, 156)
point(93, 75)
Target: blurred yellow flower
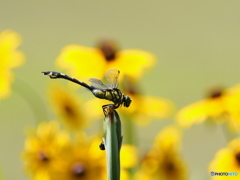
point(128, 160)
point(220, 106)
point(227, 160)
point(83, 160)
point(85, 62)
point(10, 58)
point(128, 156)
point(145, 108)
point(42, 148)
point(163, 160)
point(67, 105)
point(141, 111)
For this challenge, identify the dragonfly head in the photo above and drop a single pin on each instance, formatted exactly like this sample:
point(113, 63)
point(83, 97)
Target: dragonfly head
point(127, 101)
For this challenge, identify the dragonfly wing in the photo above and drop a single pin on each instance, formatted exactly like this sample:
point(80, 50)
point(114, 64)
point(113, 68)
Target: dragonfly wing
point(97, 83)
point(112, 77)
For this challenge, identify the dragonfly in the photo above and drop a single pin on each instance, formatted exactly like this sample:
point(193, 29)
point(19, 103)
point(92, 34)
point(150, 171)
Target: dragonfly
point(108, 92)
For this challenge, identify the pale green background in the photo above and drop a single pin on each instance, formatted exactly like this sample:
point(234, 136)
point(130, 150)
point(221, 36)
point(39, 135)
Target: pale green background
point(196, 42)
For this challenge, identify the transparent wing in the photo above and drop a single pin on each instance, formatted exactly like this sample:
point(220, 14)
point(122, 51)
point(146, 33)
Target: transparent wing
point(97, 83)
point(112, 77)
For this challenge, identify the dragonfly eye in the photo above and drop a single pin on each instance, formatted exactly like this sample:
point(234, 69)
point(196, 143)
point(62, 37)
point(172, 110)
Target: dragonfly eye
point(127, 101)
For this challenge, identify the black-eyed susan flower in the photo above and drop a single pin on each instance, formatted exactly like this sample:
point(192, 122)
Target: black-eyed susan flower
point(227, 160)
point(67, 105)
point(42, 148)
point(220, 105)
point(163, 160)
point(82, 160)
point(143, 107)
point(10, 58)
point(84, 62)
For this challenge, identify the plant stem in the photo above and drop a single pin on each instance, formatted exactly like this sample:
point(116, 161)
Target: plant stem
point(23, 89)
point(112, 141)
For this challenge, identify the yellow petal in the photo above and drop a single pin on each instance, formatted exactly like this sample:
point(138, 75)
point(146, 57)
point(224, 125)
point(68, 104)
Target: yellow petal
point(82, 62)
point(155, 107)
point(129, 156)
point(225, 160)
point(191, 114)
point(10, 58)
point(94, 108)
point(214, 107)
point(42, 175)
point(124, 175)
point(169, 138)
point(133, 62)
point(145, 108)
point(232, 100)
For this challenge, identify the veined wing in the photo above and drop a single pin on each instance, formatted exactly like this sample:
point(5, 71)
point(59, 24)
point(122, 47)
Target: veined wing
point(97, 83)
point(112, 77)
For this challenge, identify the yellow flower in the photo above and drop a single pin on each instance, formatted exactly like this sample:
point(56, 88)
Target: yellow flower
point(41, 150)
point(67, 106)
point(219, 106)
point(163, 160)
point(83, 160)
point(10, 58)
point(227, 160)
point(85, 62)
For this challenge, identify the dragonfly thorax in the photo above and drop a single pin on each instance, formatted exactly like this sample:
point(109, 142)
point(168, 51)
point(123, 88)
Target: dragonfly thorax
point(114, 95)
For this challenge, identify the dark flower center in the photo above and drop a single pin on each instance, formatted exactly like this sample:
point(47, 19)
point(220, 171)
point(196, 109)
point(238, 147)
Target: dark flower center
point(237, 156)
point(170, 167)
point(69, 110)
point(130, 87)
point(78, 170)
point(43, 157)
point(216, 93)
point(108, 49)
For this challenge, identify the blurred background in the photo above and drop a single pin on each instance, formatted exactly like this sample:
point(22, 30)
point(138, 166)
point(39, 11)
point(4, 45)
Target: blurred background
point(196, 44)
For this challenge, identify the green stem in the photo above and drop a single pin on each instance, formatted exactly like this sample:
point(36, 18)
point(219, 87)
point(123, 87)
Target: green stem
point(24, 90)
point(112, 141)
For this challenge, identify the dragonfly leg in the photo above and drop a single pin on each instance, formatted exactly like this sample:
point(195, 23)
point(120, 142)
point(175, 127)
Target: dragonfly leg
point(107, 107)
